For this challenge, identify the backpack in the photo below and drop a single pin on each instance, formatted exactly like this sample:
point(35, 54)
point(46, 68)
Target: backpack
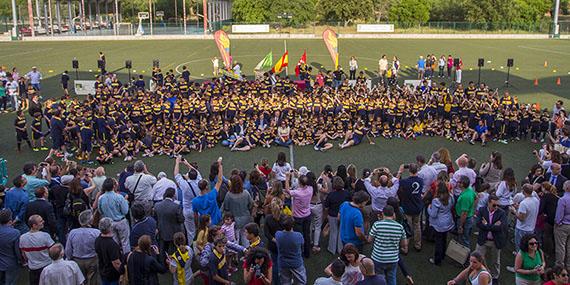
point(74, 205)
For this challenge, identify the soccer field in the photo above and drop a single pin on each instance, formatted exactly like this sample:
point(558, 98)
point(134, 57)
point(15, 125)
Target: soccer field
point(529, 55)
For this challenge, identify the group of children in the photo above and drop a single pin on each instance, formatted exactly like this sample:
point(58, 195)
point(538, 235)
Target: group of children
point(179, 116)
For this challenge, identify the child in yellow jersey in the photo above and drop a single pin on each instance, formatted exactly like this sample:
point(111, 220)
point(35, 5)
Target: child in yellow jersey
point(418, 127)
point(181, 261)
point(409, 132)
point(104, 157)
point(386, 131)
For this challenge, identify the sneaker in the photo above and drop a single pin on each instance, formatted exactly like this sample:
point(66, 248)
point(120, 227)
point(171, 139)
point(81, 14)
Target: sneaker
point(59, 154)
point(316, 148)
point(35, 149)
point(471, 142)
point(431, 260)
point(44, 148)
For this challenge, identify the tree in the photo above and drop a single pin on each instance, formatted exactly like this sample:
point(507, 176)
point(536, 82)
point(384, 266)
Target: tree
point(302, 11)
point(409, 11)
point(532, 11)
point(448, 10)
point(250, 11)
point(491, 11)
point(345, 11)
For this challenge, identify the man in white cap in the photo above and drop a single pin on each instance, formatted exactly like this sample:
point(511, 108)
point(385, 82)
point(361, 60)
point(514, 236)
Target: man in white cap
point(160, 187)
point(35, 77)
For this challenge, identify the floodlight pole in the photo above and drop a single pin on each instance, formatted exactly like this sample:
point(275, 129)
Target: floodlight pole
point(556, 29)
point(205, 15)
point(116, 17)
point(150, 15)
point(14, 20)
point(31, 18)
point(184, 15)
point(51, 18)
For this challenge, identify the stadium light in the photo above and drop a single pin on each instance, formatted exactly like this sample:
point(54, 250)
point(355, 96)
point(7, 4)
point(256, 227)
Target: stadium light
point(14, 21)
point(556, 28)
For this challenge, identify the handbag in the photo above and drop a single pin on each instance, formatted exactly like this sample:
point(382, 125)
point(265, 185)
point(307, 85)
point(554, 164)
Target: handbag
point(124, 279)
point(457, 251)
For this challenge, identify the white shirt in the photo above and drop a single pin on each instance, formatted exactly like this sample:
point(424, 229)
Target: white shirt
point(327, 281)
point(143, 192)
point(463, 171)
point(281, 171)
point(528, 206)
point(379, 195)
point(160, 187)
point(504, 194)
point(353, 64)
point(383, 64)
point(62, 272)
point(12, 87)
point(428, 174)
point(439, 167)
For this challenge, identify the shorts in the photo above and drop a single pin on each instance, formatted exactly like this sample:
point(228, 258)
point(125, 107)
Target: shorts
point(37, 136)
point(86, 147)
point(57, 142)
point(357, 139)
point(20, 136)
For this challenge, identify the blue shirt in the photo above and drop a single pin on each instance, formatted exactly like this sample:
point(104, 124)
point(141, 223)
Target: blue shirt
point(33, 184)
point(481, 129)
point(422, 63)
point(410, 195)
point(17, 200)
point(9, 248)
point(289, 249)
point(113, 205)
point(372, 280)
point(146, 226)
point(350, 218)
point(207, 204)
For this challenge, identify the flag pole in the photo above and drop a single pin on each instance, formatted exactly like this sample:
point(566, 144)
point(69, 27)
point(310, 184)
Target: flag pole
point(286, 67)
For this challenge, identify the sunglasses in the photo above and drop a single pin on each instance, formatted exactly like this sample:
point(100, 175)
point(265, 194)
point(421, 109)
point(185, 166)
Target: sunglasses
point(533, 243)
point(564, 275)
point(495, 205)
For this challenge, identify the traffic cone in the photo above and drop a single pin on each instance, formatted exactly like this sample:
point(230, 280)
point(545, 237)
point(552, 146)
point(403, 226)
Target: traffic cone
point(558, 81)
point(536, 82)
point(545, 63)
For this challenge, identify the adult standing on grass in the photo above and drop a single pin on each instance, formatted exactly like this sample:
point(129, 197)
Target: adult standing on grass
point(281, 167)
point(458, 69)
point(352, 66)
point(441, 219)
point(189, 186)
point(370, 276)
point(562, 228)
point(239, 203)
point(115, 207)
point(382, 67)
point(302, 208)
point(332, 204)
point(16, 200)
point(492, 170)
point(60, 271)
point(34, 246)
point(526, 214)
point(352, 220)
point(139, 185)
point(206, 203)
point(80, 247)
point(108, 254)
point(290, 247)
point(492, 225)
point(462, 162)
point(32, 181)
point(529, 262)
point(388, 237)
point(35, 77)
point(464, 210)
point(421, 65)
point(9, 249)
point(410, 195)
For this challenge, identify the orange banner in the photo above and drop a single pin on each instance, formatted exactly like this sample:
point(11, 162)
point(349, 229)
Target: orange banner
point(331, 41)
point(223, 43)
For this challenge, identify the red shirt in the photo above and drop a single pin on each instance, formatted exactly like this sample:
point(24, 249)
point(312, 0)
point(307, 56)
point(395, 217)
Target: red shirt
point(264, 170)
point(254, 280)
point(552, 283)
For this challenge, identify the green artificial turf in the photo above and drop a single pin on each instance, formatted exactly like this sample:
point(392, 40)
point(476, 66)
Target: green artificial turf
point(54, 57)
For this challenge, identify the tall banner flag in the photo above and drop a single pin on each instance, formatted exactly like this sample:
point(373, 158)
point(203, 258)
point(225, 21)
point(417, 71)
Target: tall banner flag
point(281, 64)
point(266, 62)
point(331, 41)
point(223, 43)
point(302, 60)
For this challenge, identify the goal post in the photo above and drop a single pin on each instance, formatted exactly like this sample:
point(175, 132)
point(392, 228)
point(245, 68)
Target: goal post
point(124, 29)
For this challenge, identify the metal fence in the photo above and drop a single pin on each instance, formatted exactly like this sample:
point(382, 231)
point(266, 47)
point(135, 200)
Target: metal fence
point(195, 27)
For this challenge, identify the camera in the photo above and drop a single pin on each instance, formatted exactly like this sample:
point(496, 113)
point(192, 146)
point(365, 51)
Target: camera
point(406, 166)
point(257, 270)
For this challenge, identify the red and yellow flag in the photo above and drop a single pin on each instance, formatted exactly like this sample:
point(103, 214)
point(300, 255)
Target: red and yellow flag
point(223, 43)
point(302, 60)
point(331, 41)
point(281, 63)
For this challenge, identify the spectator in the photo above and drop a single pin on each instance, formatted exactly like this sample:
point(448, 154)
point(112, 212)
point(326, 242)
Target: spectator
point(114, 206)
point(142, 264)
point(352, 221)
point(33, 182)
point(506, 189)
point(108, 253)
point(562, 228)
point(410, 194)
point(548, 206)
point(34, 246)
point(190, 190)
point(257, 267)
point(143, 224)
point(557, 275)
point(441, 219)
point(181, 260)
point(281, 167)
point(58, 195)
point(217, 266)
point(240, 204)
point(16, 199)
point(316, 207)
point(370, 276)
point(463, 170)
point(351, 260)
point(556, 178)
point(139, 185)
point(9, 249)
point(301, 208)
point(426, 172)
point(476, 273)
point(160, 187)
point(435, 162)
point(492, 225)
point(271, 226)
point(526, 214)
point(289, 246)
point(170, 220)
point(492, 170)
point(206, 202)
point(60, 271)
point(389, 238)
point(35, 78)
point(76, 201)
point(529, 262)
point(464, 210)
point(80, 247)
point(43, 208)
point(332, 204)
point(98, 180)
point(336, 271)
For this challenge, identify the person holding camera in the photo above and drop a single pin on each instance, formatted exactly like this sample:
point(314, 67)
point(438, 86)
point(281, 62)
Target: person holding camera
point(257, 267)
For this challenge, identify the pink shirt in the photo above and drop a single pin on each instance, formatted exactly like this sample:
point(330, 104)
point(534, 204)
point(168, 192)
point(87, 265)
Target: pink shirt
point(301, 201)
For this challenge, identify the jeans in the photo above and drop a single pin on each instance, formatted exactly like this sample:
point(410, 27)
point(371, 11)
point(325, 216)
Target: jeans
point(335, 244)
point(282, 143)
point(61, 229)
point(465, 238)
point(189, 225)
point(352, 74)
point(519, 234)
point(103, 282)
point(303, 225)
point(9, 277)
point(35, 276)
point(3, 102)
point(275, 268)
point(293, 276)
point(389, 271)
point(316, 223)
point(440, 246)
point(121, 233)
point(15, 102)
